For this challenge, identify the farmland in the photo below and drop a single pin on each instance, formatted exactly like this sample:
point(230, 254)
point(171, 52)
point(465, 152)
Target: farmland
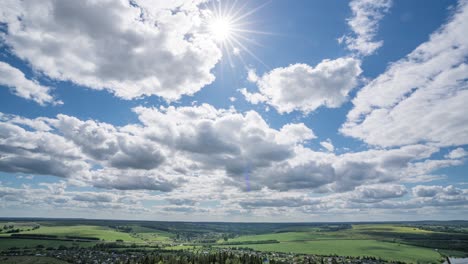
point(411, 242)
point(30, 260)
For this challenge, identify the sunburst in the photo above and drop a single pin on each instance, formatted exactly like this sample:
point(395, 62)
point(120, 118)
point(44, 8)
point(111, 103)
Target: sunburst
point(228, 24)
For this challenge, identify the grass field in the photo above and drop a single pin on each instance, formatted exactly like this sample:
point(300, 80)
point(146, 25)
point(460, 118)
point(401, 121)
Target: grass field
point(31, 243)
point(357, 232)
point(384, 250)
point(372, 228)
point(388, 241)
point(139, 235)
point(101, 232)
point(30, 260)
point(356, 241)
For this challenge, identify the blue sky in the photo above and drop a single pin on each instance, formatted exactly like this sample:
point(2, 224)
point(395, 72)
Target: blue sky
point(234, 110)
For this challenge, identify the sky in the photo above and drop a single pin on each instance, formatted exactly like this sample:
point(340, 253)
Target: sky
point(207, 110)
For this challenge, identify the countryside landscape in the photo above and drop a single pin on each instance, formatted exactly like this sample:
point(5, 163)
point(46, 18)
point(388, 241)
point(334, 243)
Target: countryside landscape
point(108, 241)
point(234, 131)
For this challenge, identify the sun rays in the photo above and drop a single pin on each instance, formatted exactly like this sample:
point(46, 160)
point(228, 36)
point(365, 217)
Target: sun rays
point(230, 25)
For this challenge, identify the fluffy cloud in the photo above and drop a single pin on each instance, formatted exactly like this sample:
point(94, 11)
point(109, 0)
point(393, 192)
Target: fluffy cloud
point(37, 152)
point(252, 155)
point(432, 191)
point(29, 89)
point(328, 145)
point(457, 153)
point(132, 48)
point(376, 193)
point(304, 88)
point(364, 23)
point(169, 144)
point(221, 139)
point(253, 98)
point(419, 98)
point(93, 153)
point(173, 146)
point(104, 142)
point(295, 133)
point(69, 202)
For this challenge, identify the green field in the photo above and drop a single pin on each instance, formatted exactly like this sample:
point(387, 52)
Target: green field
point(30, 260)
point(406, 242)
point(378, 240)
point(356, 232)
point(31, 243)
point(384, 250)
point(102, 232)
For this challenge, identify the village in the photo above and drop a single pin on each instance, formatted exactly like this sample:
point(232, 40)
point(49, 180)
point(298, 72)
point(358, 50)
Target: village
point(159, 256)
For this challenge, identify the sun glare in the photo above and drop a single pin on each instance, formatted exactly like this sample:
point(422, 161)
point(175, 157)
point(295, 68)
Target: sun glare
point(229, 25)
point(221, 28)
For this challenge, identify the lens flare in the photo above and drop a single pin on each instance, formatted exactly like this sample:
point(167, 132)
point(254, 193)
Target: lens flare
point(227, 23)
point(221, 28)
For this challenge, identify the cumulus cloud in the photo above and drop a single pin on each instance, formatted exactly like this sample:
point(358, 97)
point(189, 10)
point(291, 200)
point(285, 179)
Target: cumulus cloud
point(182, 150)
point(135, 180)
point(93, 197)
point(376, 193)
point(37, 152)
point(420, 97)
point(104, 142)
point(14, 79)
point(365, 23)
point(95, 153)
point(295, 133)
point(457, 153)
point(328, 145)
point(69, 202)
point(132, 49)
point(300, 87)
point(435, 190)
point(169, 144)
point(221, 138)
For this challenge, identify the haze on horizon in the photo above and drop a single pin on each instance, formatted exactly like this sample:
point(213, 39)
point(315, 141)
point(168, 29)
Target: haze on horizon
point(207, 110)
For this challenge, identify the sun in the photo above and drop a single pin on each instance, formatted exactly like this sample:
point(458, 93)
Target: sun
point(221, 28)
point(228, 24)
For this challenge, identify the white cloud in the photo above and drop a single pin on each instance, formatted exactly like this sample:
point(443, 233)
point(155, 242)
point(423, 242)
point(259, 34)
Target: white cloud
point(304, 88)
point(364, 23)
point(221, 138)
point(421, 98)
point(14, 79)
point(253, 98)
point(131, 49)
point(295, 133)
point(199, 154)
point(457, 153)
point(437, 191)
point(89, 152)
point(169, 144)
point(376, 193)
point(328, 145)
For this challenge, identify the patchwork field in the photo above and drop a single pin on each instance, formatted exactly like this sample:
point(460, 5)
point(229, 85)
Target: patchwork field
point(379, 249)
point(386, 241)
point(411, 243)
point(104, 233)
